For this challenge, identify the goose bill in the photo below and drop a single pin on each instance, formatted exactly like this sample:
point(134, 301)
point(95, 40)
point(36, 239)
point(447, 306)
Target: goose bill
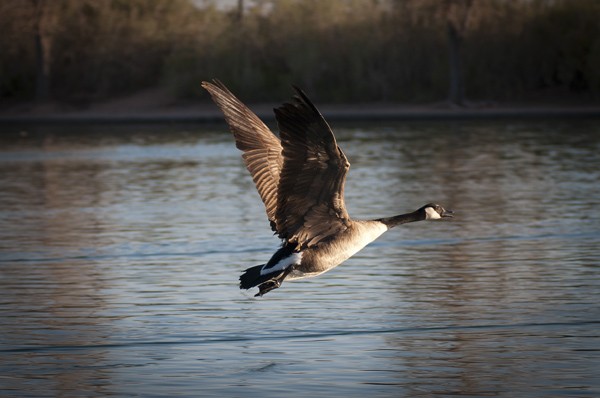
point(447, 213)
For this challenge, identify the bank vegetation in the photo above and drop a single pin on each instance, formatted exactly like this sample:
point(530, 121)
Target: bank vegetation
point(80, 51)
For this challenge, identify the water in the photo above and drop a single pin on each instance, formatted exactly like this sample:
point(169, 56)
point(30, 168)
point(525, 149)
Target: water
point(120, 250)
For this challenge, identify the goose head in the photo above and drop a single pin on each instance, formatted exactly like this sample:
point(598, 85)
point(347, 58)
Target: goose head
point(433, 211)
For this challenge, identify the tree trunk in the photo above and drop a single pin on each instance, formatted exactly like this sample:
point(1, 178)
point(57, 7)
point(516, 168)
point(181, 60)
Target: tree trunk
point(240, 10)
point(41, 61)
point(41, 75)
point(457, 91)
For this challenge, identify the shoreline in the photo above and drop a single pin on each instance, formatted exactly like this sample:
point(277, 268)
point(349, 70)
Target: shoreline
point(207, 113)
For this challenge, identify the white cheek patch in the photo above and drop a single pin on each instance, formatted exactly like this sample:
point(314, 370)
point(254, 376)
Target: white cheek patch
point(431, 214)
point(293, 258)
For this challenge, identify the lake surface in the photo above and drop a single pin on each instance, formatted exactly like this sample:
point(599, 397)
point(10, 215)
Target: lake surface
point(121, 247)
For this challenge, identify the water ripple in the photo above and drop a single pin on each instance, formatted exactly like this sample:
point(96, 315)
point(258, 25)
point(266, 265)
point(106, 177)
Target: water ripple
point(120, 255)
point(521, 327)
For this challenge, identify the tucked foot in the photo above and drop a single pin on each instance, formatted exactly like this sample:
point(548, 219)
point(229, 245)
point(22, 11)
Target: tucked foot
point(273, 284)
point(267, 287)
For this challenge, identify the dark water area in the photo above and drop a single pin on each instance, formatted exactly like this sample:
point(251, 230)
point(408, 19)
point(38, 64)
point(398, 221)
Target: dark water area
point(120, 250)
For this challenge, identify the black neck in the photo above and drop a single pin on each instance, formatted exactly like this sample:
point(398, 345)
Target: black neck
point(391, 222)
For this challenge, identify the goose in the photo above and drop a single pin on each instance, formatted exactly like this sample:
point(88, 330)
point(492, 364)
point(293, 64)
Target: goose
point(300, 178)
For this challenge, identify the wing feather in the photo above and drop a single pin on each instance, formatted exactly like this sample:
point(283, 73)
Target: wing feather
point(310, 204)
point(262, 150)
point(301, 177)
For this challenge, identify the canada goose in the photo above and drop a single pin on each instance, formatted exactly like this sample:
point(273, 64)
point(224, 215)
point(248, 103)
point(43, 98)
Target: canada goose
point(300, 179)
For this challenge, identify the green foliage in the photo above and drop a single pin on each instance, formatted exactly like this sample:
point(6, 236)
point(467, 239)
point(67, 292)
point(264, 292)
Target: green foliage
point(338, 50)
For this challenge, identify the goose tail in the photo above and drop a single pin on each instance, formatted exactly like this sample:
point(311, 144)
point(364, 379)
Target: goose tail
point(252, 277)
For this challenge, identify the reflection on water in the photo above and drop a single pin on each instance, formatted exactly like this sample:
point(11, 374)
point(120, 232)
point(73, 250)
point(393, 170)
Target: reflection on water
point(119, 258)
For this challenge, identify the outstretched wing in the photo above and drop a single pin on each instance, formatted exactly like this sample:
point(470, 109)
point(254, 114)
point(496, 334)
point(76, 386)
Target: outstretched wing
point(310, 199)
point(262, 150)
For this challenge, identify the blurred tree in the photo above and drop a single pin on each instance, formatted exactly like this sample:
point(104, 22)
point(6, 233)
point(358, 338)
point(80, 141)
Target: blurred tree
point(339, 50)
point(457, 16)
point(27, 32)
point(41, 46)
